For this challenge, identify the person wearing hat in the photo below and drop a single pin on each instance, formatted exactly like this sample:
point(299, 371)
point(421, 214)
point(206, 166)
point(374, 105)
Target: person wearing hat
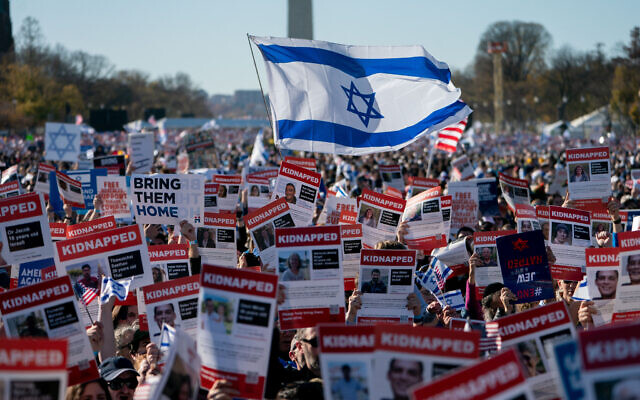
point(121, 377)
point(497, 301)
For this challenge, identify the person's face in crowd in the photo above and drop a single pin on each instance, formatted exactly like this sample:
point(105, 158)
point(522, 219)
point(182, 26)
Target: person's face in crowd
point(545, 229)
point(294, 262)
point(285, 340)
point(289, 192)
point(132, 314)
point(309, 345)
point(403, 374)
point(93, 391)
point(164, 313)
point(183, 394)
point(561, 235)
point(123, 387)
point(633, 268)
point(607, 281)
point(142, 347)
point(375, 276)
point(568, 288)
point(86, 272)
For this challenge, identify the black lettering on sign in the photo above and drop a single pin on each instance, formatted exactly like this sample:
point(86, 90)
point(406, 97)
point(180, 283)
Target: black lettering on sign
point(253, 313)
point(126, 265)
point(61, 315)
point(307, 193)
point(188, 309)
point(325, 259)
point(400, 277)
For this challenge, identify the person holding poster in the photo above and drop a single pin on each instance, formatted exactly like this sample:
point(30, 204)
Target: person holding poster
point(532, 334)
point(248, 301)
point(569, 235)
point(425, 229)
point(216, 238)
point(310, 269)
point(48, 310)
point(379, 215)
point(386, 278)
point(261, 225)
point(299, 187)
point(589, 172)
point(24, 230)
point(627, 291)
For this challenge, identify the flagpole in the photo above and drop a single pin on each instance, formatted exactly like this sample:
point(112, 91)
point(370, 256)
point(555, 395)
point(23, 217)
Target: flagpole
point(87, 310)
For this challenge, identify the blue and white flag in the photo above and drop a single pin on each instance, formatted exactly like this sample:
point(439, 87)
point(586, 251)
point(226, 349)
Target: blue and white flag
point(454, 299)
point(331, 98)
point(111, 287)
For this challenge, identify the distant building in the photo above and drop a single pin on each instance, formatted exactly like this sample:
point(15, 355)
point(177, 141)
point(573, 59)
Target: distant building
point(300, 19)
point(243, 98)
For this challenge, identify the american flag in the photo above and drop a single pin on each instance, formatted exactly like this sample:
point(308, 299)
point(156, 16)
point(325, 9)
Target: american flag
point(88, 294)
point(449, 137)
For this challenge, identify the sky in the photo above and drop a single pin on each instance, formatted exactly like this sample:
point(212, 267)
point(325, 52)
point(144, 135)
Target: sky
point(207, 38)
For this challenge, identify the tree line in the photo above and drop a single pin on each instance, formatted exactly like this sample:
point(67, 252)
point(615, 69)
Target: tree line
point(545, 85)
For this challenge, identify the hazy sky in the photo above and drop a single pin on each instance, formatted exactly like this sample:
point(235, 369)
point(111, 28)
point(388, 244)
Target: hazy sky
point(207, 38)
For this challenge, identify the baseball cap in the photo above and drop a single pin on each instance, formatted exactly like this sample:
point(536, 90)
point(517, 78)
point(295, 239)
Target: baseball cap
point(113, 367)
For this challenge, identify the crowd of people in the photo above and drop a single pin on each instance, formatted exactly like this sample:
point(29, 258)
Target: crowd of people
point(125, 353)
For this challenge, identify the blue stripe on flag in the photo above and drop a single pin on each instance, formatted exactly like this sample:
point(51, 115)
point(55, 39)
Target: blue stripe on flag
point(323, 131)
point(420, 67)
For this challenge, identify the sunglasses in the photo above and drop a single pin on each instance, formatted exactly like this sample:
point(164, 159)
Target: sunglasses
point(313, 342)
point(117, 384)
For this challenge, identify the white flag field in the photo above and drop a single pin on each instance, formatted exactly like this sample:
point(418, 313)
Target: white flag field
point(332, 98)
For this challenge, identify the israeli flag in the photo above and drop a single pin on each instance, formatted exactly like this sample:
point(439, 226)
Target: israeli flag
point(111, 287)
point(259, 153)
point(454, 299)
point(332, 98)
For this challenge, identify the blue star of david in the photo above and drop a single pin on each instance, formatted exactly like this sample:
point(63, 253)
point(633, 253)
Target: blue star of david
point(368, 99)
point(61, 150)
